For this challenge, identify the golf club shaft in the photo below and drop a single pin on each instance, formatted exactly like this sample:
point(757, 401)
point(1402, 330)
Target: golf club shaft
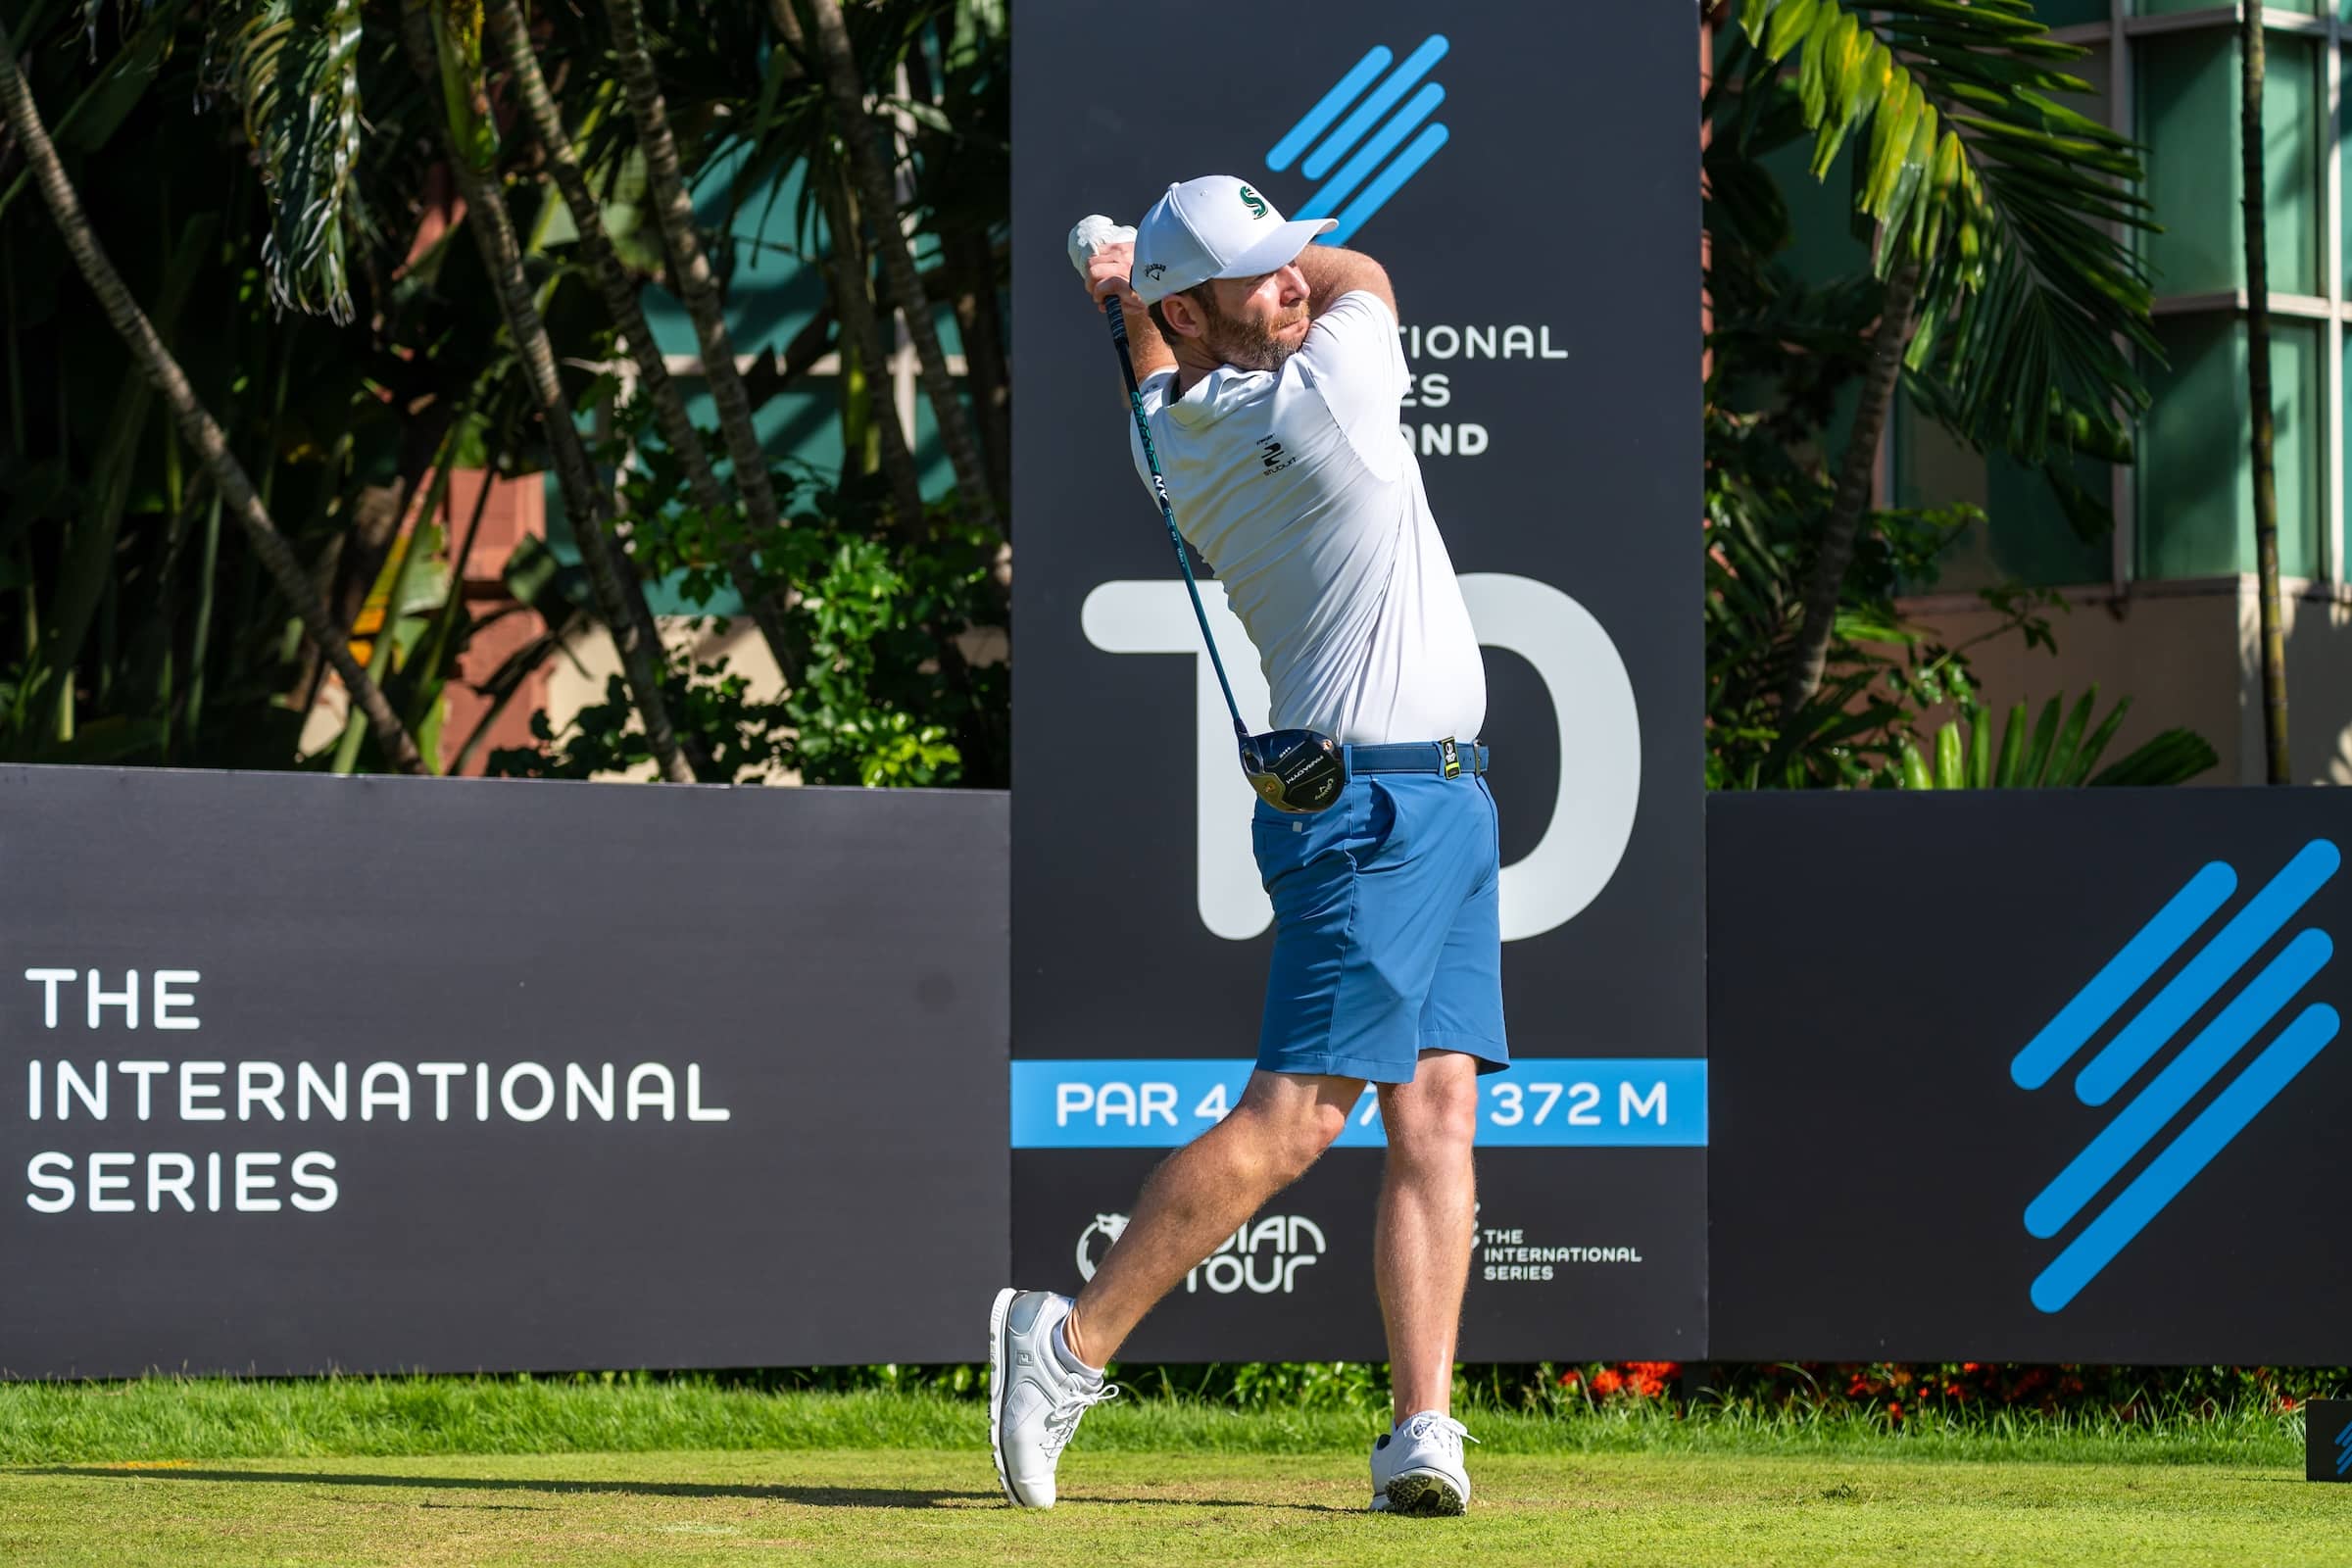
point(1112, 312)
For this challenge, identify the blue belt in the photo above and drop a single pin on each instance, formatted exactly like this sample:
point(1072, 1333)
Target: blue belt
point(1445, 758)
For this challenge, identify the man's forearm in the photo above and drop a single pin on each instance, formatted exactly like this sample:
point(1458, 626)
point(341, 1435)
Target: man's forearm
point(1332, 272)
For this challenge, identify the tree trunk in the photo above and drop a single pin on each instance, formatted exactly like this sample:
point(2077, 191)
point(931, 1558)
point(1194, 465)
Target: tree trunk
point(1835, 551)
point(873, 174)
point(196, 424)
point(620, 303)
point(860, 329)
point(986, 374)
point(584, 498)
point(969, 271)
point(860, 326)
point(698, 284)
point(2279, 766)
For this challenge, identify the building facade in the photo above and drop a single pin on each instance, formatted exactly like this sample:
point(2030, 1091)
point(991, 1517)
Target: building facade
point(2164, 610)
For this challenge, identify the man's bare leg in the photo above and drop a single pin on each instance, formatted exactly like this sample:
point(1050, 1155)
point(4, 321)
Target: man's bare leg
point(1200, 1195)
point(1422, 1242)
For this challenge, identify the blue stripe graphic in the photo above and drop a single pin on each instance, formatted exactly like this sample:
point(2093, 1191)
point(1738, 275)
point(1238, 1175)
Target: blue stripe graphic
point(2126, 972)
point(2207, 973)
point(2343, 1449)
point(2173, 1169)
point(1377, 194)
point(1351, 174)
point(1540, 1103)
point(2145, 1116)
point(1360, 76)
point(1382, 98)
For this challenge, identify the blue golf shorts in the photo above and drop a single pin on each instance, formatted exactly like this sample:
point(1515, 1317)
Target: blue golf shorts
point(1388, 938)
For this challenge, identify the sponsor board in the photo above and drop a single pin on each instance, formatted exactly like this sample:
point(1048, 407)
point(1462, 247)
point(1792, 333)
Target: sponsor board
point(276, 1097)
point(1580, 574)
point(2091, 1121)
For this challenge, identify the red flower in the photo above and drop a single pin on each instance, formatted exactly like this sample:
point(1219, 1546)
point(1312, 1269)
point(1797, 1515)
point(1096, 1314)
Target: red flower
point(1607, 1381)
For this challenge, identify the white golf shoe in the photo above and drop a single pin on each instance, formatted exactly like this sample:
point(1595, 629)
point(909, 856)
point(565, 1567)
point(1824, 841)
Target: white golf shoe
point(1035, 1395)
point(1417, 1467)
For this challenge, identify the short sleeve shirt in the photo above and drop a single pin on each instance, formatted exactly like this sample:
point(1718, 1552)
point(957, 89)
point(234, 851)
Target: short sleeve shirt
point(1300, 488)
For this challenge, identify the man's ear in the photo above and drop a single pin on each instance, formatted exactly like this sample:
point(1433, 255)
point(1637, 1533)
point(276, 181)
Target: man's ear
point(1184, 314)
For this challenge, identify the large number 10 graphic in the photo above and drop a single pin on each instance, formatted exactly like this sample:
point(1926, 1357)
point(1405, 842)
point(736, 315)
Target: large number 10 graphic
point(1592, 698)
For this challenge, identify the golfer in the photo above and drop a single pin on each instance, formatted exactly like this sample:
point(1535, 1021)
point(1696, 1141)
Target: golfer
point(1272, 383)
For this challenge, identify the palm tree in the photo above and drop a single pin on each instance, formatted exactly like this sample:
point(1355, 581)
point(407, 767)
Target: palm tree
point(2280, 766)
point(2010, 294)
point(873, 187)
point(197, 426)
point(445, 47)
point(619, 297)
point(697, 287)
point(848, 264)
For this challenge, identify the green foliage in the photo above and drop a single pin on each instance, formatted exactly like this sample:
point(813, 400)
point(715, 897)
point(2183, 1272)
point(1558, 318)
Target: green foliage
point(1787, 353)
point(136, 627)
point(2016, 209)
point(2054, 753)
point(875, 614)
point(292, 69)
point(465, 90)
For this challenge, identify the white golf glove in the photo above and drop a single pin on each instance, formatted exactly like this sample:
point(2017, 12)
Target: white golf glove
point(1094, 233)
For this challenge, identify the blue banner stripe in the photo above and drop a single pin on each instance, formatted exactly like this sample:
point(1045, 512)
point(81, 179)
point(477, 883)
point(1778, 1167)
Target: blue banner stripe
point(1376, 196)
point(1542, 1102)
point(1381, 100)
point(1360, 76)
point(2173, 1169)
point(1336, 189)
point(2207, 973)
point(2213, 1048)
point(2126, 972)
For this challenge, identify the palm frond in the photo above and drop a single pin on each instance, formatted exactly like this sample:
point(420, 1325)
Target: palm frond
point(292, 66)
point(2014, 207)
point(465, 90)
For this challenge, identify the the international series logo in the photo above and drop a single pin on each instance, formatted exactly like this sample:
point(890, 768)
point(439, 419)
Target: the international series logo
point(1354, 151)
point(2149, 1111)
point(2343, 1449)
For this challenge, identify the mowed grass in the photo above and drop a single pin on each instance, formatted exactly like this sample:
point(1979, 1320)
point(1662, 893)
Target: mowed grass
point(930, 1507)
point(661, 1472)
point(220, 1418)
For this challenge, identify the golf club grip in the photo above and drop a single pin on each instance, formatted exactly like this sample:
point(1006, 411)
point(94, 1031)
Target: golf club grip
point(1117, 314)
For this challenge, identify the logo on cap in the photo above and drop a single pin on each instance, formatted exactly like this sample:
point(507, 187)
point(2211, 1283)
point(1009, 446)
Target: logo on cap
point(1255, 202)
point(1156, 270)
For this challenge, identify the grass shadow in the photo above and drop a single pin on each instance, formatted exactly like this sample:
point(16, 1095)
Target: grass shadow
point(805, 1497)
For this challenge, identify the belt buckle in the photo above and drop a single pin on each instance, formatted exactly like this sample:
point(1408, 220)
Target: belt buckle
point(1451, 757)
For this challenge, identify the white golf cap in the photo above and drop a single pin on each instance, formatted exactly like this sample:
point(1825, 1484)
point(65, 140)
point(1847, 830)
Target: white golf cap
point(1214, 227)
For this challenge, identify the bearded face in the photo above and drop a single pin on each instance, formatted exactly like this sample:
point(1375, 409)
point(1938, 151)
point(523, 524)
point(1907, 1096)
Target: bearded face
point(1250, 341)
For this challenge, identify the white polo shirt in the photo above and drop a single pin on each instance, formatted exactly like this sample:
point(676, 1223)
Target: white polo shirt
point(1300, 488)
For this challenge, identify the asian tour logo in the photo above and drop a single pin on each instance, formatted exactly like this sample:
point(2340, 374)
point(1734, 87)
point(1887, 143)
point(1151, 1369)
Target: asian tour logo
point(1263, 1257)
point(1098, 1238)
point(2152, 1110)
point(1354, 151)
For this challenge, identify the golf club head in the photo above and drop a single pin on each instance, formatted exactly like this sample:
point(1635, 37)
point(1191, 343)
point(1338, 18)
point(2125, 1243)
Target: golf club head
point(1295, 771)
